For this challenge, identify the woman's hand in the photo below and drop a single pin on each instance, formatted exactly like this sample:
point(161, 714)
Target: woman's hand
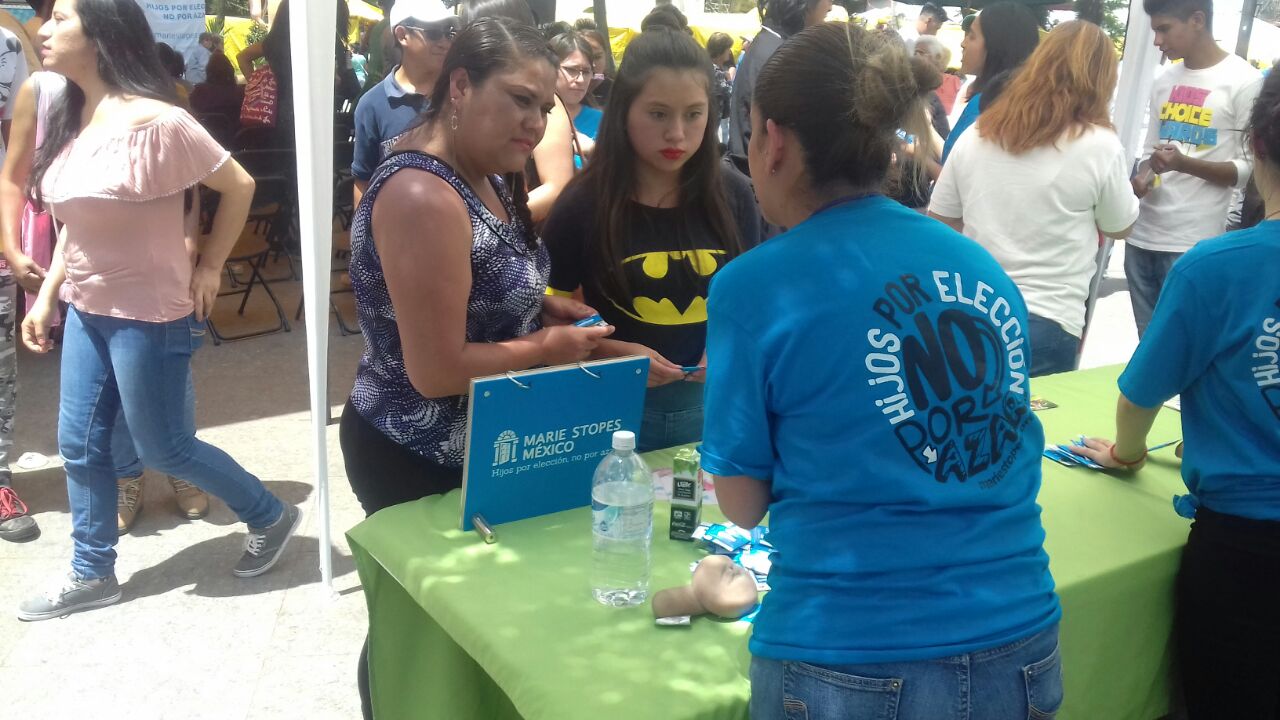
point(205, 282)
point(35, 327)
point(1105, 454)
point(564, 344)
point(26, 272)
point(557, 310)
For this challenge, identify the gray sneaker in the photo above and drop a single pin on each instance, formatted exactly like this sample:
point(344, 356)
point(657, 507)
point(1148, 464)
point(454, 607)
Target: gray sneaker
point(70, 595)
point(264, 545)
point(16, 525)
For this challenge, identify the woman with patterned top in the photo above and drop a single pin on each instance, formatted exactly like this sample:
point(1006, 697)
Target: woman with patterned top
point(117, 167)
point(464, 296)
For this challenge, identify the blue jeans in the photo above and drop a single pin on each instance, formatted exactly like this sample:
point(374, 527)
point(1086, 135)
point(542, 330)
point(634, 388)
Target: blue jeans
point(110, 364)
point(1018, 681)
point(123, 453)
point(1053, 350)
point(1145, 271)
point(672, 416)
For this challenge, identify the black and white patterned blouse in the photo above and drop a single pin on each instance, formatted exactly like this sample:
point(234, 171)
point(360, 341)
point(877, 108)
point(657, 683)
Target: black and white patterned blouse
point(509, 271)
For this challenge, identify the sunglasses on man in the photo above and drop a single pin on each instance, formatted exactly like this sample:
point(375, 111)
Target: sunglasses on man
point(436, 32)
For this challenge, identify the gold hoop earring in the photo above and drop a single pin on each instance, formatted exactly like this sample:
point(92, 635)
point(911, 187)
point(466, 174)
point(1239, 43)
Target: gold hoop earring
point(453, 122)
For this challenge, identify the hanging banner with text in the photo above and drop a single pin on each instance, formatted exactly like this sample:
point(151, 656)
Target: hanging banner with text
point(534, 438)
point(176, 23)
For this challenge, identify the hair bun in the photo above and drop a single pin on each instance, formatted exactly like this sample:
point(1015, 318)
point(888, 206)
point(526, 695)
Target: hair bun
point(928, 77)
point(887, 86)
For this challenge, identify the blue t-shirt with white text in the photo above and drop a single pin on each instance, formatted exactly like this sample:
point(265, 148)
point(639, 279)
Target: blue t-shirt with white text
point(872, 365)
point(1215, 339)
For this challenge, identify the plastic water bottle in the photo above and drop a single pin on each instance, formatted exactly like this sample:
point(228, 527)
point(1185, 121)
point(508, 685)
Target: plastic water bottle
point(622, 525)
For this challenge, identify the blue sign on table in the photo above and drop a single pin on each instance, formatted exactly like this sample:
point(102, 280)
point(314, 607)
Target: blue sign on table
point(534, 438)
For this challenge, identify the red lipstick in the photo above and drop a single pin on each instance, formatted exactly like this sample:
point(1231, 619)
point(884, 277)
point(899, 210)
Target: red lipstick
point(673, 153)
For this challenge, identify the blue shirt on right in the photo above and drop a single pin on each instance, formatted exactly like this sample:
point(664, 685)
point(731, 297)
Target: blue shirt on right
point(872, 364)
point(1215, 339)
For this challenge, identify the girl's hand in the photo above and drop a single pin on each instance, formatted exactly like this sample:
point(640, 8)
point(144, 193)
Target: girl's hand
point(1104, 453)
point(557, 310)
point(35, 328)
point(27, 272)
point(701, 375)
point(205, 282)
point(661, 370)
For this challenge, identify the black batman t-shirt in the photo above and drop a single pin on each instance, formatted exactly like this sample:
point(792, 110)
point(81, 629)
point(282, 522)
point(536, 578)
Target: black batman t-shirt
point(667, 305)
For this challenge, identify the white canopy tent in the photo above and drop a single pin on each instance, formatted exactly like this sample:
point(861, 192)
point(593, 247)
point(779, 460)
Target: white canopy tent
point(312, 31)
point(312, 28)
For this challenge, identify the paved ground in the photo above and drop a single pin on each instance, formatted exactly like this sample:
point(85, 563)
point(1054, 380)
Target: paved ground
point(189, 640)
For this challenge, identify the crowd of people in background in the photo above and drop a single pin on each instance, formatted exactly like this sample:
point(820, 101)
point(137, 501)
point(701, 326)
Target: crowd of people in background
point(773, 230)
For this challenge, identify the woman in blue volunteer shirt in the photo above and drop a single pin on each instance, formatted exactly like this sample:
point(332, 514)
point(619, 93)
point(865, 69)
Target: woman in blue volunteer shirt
point(870, 392)
point(1215, 339)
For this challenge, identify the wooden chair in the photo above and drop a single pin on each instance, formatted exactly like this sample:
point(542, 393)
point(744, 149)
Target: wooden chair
point(252, 250)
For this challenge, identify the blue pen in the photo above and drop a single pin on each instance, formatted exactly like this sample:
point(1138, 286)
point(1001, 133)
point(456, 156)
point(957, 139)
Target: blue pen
point(691, 369)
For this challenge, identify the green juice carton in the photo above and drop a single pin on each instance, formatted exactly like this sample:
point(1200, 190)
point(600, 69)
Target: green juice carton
point(686, 494)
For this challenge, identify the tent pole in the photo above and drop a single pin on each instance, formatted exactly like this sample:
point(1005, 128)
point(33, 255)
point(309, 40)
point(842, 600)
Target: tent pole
point(313, 25)
point(1247, 14)
point(1133, 95)
point(601, 14)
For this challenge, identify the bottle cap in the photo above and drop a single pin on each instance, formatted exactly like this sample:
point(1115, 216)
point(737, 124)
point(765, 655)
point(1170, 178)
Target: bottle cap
point(624, 440)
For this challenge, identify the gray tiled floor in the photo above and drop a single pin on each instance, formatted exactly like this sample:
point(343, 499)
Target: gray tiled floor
point(189, 640)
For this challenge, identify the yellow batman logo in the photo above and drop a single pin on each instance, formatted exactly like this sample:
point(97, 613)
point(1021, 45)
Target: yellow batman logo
point(656, 266)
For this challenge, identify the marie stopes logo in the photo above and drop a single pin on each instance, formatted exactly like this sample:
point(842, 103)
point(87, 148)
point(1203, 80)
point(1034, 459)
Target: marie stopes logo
point(506, 449)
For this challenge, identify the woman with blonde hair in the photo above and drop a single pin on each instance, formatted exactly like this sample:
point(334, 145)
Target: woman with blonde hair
point(1044, 174)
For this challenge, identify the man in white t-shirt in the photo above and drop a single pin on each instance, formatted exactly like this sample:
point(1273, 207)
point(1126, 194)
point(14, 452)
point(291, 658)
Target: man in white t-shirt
point(1195, 150)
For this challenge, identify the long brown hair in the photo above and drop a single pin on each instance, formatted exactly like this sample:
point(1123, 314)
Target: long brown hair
point(1064, 88)
point(610, 173)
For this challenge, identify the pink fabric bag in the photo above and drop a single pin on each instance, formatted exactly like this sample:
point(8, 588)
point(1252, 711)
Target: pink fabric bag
point(39, 236)
point(261, 93)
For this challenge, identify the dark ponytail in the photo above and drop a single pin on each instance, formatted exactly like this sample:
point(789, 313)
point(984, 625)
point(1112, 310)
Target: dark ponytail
point(127, 62)
point(845, 92)
point(1010, 33)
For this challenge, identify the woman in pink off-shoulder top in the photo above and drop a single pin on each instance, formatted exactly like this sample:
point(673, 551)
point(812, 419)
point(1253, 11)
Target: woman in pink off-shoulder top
point(118, 166)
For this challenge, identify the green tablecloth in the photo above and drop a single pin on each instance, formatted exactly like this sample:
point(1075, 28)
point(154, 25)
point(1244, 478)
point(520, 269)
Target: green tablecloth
point(460, 629)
